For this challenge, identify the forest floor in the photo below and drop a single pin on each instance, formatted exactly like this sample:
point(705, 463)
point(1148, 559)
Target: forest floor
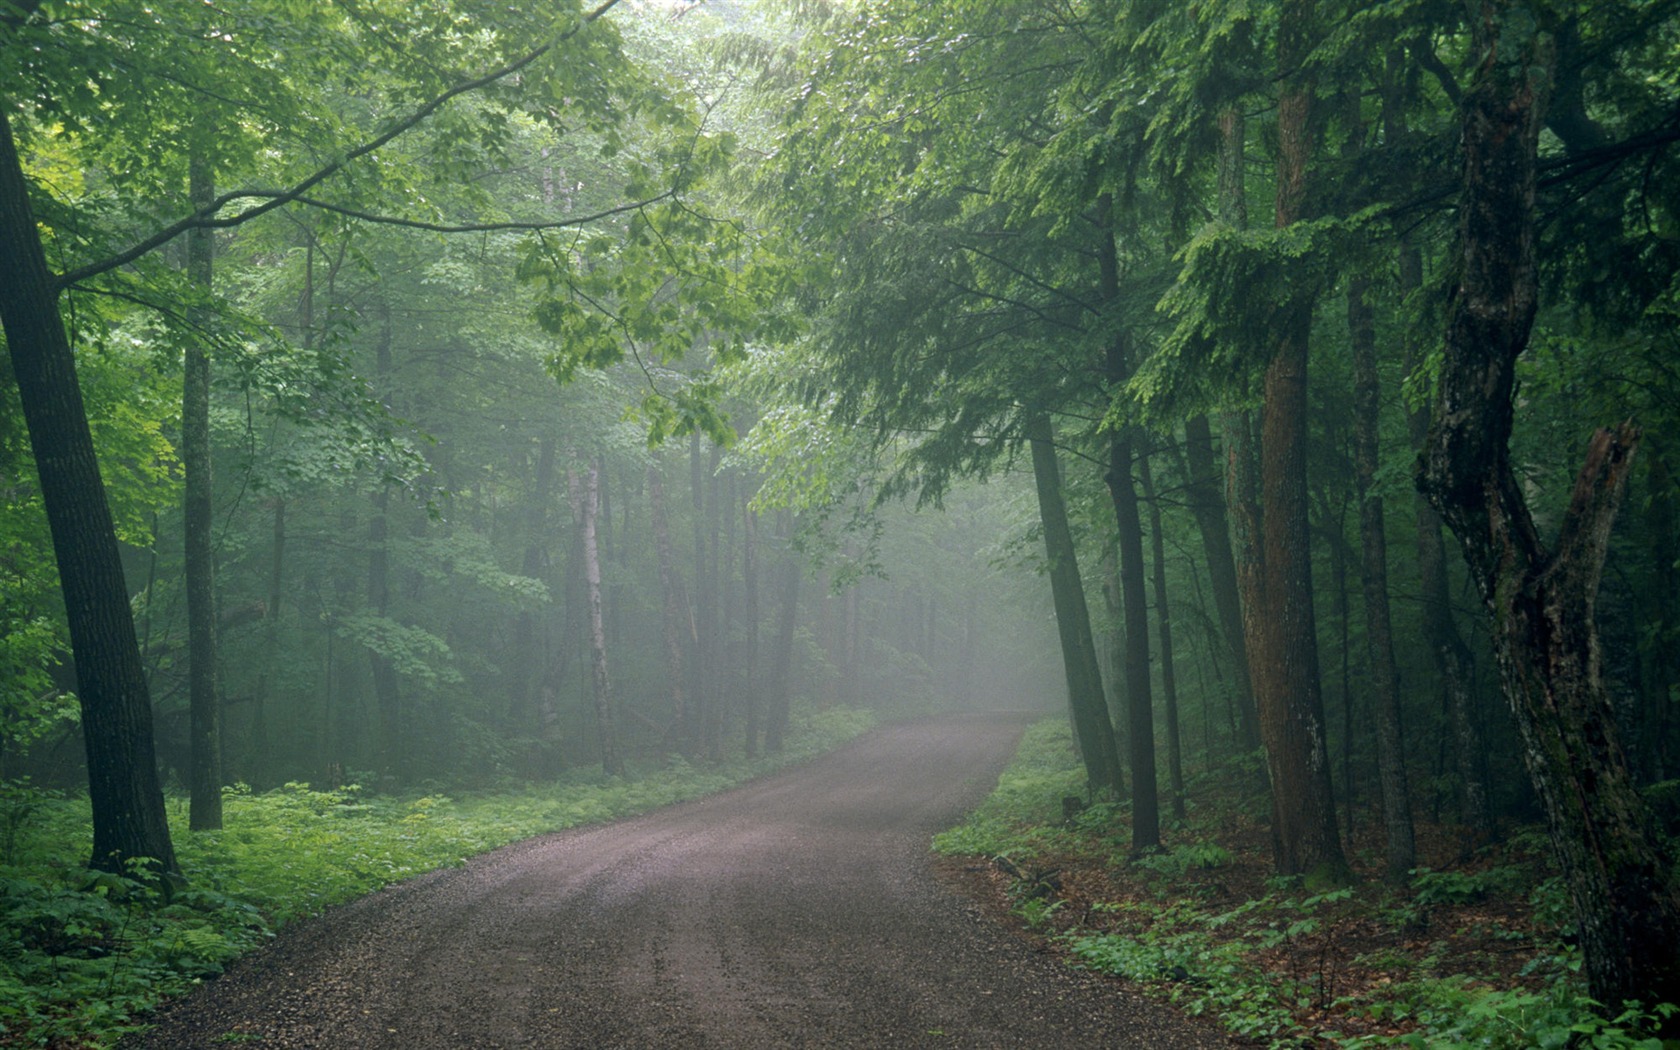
point(800, 910)
point(1472, 951)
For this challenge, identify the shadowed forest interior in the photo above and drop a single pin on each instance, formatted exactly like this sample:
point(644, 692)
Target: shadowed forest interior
point(460, 400)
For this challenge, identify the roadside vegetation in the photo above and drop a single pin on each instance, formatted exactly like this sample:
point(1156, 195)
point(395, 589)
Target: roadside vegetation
point(1477, 950)
point(85, 954)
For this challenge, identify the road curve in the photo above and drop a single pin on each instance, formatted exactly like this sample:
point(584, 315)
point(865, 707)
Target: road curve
point(797, 911)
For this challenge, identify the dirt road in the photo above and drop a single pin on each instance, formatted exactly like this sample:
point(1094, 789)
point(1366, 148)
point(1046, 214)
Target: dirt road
point(799, 911)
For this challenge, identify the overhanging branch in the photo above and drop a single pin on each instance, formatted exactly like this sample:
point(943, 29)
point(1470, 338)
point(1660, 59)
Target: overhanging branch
point(272, 199)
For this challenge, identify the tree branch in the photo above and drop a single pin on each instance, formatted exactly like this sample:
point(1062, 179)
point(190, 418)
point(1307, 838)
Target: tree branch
point(480, 227)
point(272, 199)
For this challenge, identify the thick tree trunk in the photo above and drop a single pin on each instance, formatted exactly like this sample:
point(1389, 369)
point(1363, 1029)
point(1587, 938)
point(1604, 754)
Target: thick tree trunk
point(128, 814)
point(1073, 618)
point(1539, 600)
point(678, 627)
point(1163, 626)
point(1286, 682)
point(198, 526)
point(611, 763)
point(1455, 666)
point(1401, 853)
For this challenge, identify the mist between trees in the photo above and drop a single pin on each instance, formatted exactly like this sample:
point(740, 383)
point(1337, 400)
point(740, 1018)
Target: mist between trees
point(454, 394)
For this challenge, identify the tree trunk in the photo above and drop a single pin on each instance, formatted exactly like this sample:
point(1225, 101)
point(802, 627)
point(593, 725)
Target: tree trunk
point(528, 663)
point(781, 665)
point(261, 760)
point(611, 763)
point(1540, 601)
point(386, 688)
point(1286, 682)
point(1163, 625)
point(128, 815)
point(749, 585)
point(678, 628)
point(198, 526)
point(1140, 701)
point(1401, 853)
point(1208, 506)
point(1073, 618)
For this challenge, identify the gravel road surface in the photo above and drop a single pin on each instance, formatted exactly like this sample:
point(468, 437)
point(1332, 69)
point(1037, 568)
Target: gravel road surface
point(798, 911)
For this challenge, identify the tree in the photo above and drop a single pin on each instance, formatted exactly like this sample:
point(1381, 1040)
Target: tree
point(1539, 597)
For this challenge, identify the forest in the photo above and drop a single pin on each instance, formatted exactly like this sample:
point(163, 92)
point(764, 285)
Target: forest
point(411, 403)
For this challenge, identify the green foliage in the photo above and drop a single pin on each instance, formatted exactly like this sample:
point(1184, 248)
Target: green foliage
point(1221, 960)
point(1022, 811)
point(1458, 1013)
point(84, 955)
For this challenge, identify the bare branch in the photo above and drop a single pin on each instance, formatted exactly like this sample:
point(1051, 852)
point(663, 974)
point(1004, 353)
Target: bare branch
point(272, 199)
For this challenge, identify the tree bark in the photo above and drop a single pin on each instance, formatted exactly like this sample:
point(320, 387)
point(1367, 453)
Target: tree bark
point(198, 526)
point(1207, 504)
point(1540, 600)
point(1073, 618)
point(1163, 627)
point(1401, 853)
point(1286, 682)
point(128, 815)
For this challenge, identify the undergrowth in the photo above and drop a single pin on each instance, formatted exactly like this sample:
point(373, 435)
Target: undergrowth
point(1467, 955)
point(84, 955)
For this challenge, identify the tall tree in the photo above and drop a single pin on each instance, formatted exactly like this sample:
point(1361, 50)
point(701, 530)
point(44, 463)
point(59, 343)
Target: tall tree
point(198, 521)
point(128, 817)
point(1287, 684)
point(1094, 731)
point(1540, 597)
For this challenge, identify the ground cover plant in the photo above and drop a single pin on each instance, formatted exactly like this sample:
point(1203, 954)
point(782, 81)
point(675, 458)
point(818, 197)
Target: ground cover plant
point(1474, 951)
point(84, 954)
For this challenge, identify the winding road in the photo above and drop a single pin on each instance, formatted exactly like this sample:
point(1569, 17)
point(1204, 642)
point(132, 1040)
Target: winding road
point(798, 911)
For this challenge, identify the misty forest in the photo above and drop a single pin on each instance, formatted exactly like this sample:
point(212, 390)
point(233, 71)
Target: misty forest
point(1210, 468)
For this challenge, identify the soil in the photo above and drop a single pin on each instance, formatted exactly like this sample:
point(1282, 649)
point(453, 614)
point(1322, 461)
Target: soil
point(802, 910)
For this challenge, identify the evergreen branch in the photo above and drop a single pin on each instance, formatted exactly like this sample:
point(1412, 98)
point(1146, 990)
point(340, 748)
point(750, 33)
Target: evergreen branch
point(205, 218)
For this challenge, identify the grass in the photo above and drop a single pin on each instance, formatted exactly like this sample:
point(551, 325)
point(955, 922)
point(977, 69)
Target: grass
point(85, 955)
point(1470, 954)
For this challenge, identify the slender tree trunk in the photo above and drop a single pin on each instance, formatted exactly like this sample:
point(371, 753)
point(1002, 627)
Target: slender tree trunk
point(1140, 701)
point(677, 625)
point(1287, 686)
point(780, 688)
point(1540, 600)
point(749, 586)
point(1401, 853)
point(699, 667)
point(127, 801)
point(198, 526)
point(386, 689)
point(611, 763)
point(1163, 626)
point(528, 663)
point(1073, 618)
point(1208, 506)
point(261, 760)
